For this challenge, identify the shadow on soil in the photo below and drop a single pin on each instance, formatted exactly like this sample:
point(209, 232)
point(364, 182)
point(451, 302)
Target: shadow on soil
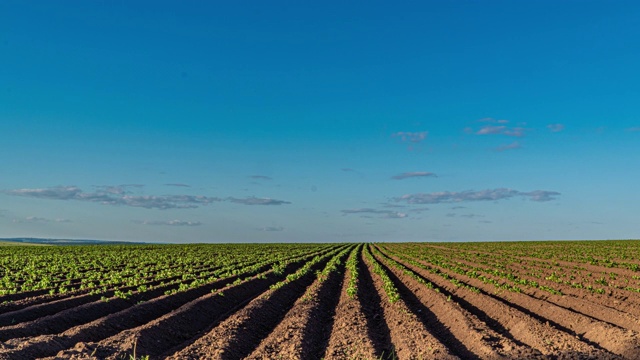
point(315, 338)
point(429, 319)
point(377, 328)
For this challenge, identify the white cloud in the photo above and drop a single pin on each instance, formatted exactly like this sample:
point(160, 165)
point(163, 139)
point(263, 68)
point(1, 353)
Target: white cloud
point(118, 195)
point(413, 175)
point(541, 195)
point(36, 219)
point(514, 145)
point(387, 214)
point(178, 185)
point(414, 137)
point(169, 223)
point(493, 121)
point(468, 196)
point(471, 216)
point(497, 127)
point(272, 228)
point(501, 130)
point(257, 201)
point(555, 127)
point(164, 202)
point(260, 177)
point(56, 193)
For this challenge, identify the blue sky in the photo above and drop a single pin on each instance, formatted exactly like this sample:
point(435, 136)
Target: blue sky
point(305, 121)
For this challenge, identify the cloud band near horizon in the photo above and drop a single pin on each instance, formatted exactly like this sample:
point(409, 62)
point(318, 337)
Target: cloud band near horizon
point(117, 196)
point(469, 195)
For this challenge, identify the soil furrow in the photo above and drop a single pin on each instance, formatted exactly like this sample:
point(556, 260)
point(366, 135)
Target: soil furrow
point(303, 333)
point(181, 323)
point(349, 338)
point(455, 327)
point(75, 296)
point(409, 336)
point(50, 308)
point(596, 333)
point(18, 305)
point(138, 315)
point(613, 296)
point(472, 301)
point(240, 334)
point(572, 299)
point(527, 329)
point(89, 311)
point(371, 303)
point(586, 266)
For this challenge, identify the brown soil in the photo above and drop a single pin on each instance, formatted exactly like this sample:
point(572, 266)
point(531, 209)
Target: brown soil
point(240, 334)
point(577, 333)
point(10, 313)
point(303, 333)
point(349, 337)
point(616, 309)
point(458, 328)
point(158, 325)
point(308, 319)
point(410, 337)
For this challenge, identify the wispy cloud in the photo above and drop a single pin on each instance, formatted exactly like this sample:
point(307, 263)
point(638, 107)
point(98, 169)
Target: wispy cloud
point(414, 174)
point(501, 130)
point(257, 201)
point(633, 129)
point(493, 121)
point(414, 137)
point(118, 189)
point(164, 202)
point(178, 185)
point(35, 219)
point(471, 216)
point(393, 206)
point(387, 214)
point(56, 193)
point(555, 127)
point(468, 216)
point(271, 228)
point(541, 195)
point(260, 177)
point(169, 223)
point(116, 195)
point(514, 145)
point(468, 196)
point(497, 127)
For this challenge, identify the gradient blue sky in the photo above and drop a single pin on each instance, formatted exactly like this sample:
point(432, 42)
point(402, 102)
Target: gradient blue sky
point(320, 121)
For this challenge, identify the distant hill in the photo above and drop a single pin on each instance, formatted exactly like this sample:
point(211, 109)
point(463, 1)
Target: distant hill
point(39, 241)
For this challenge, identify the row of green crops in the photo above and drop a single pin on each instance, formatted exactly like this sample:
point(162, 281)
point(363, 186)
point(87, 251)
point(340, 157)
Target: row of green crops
point(97, 269)
point(599, 267)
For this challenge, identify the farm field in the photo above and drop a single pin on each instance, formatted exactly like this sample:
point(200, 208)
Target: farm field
point(514, 300)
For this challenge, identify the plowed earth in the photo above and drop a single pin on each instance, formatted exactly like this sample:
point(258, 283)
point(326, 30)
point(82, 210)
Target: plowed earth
point(442, 313)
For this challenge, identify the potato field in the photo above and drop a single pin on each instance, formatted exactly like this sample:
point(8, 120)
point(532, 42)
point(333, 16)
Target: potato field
point(515, 300)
